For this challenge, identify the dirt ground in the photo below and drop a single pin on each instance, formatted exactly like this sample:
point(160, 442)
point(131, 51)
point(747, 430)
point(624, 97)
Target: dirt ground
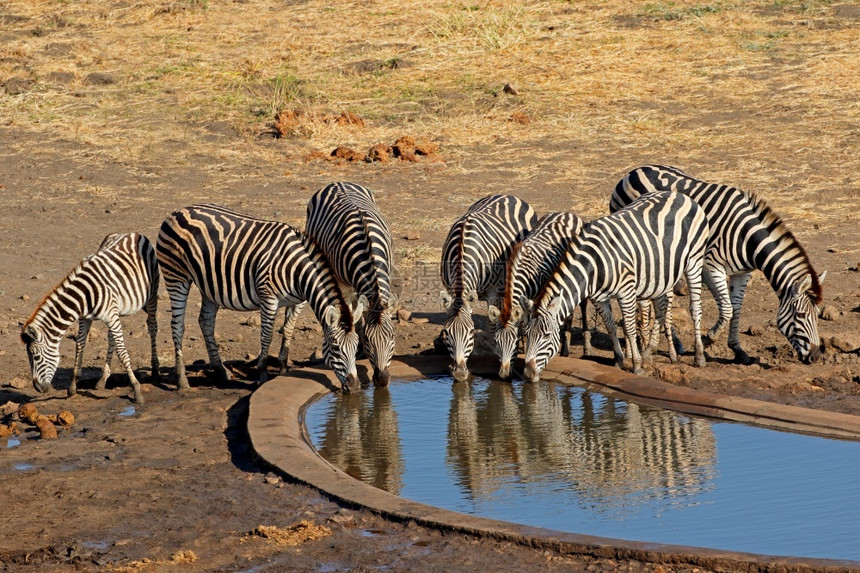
point(172, 485)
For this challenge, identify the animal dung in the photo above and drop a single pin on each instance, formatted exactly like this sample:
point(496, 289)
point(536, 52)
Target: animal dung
point(27, 413)
point(47, 431)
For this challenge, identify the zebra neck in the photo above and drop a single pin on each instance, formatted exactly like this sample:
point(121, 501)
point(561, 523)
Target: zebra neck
point(317, 284)
point(62, 307)
point(774, 251)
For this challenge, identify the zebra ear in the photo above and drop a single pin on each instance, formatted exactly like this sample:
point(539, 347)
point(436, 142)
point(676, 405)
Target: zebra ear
point(554, 305)
point(393, 303)
point(802, 285)
point(29, 334)
point(471, 298)
point(821, 277)
point(331, 316)
point(359, 307)
point(517, 313)
point(493, 314)
point(445, 299)
point(528, 304)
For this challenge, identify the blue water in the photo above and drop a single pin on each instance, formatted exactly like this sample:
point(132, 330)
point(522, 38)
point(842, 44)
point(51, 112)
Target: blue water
point(563, 458)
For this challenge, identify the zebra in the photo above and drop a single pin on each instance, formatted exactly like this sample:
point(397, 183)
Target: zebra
point(746, 235)
point(529, 266)
point(119, 279)
point(344, 220)
point(244, 263)
point(635, 254)
point(473, 267)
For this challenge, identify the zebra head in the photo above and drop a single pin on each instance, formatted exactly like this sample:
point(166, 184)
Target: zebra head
point(379, 337)
point(458, 334)
point(506, 334)
point(797, 318)
point(543, 339)
point(340, 343)
point(43, 353)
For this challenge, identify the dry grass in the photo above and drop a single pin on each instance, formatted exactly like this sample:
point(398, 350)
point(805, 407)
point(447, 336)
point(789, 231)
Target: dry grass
point(675, 81)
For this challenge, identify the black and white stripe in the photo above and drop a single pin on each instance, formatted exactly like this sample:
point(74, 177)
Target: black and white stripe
point(345, 222)
point(745, 235)
point(638, 253)
point(243, 263)
point(120, 279)
point(529, 267)
point(473, 266)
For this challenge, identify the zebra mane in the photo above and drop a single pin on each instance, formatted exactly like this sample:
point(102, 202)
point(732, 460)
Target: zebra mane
point(316, 253)
point(45, 298)
point(507, 299)
point(776, 225)
point(374, 259)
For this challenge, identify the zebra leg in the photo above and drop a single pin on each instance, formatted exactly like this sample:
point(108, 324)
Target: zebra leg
point(715, 278)
point(694, 286)
point(152, 327)
point(80, 344)
point(587, 349)
point(609, 321)
point(291, 316)
point(563, 333)
point(628, 313)
point(178, 292)
point(647, 328)
point(115, 329)
point(206, 320)
point(663, 309)
point(102, 381)
point(737, 290)
point(268, 313)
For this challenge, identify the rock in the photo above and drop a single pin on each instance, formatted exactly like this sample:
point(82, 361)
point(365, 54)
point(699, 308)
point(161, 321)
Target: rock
point(379, 152)
point(426, 148)
point(671, 374)
point(272, 479)
point(520, 118)
point(99, 79)
point(8, 409)
point(828, 313)
point(18, 383)
point(251, 320)
point(27, 413)
point(840, 344)
point(755, 330)
point(412, 235)
point(347, 153)
point(511, 89)
point(47, 431)
point(317, 355)
point(403, 314)
point(24, 297)
point(420, 320)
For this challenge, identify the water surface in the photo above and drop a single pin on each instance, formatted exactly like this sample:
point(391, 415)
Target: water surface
point(560, 457)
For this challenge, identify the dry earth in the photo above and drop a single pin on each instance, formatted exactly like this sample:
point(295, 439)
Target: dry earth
point(173, 486)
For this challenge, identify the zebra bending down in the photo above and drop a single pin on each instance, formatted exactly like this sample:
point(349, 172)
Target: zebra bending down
point(119, 279)
point(473, 266)
point(243, 263)
point(344, 220)
point(529, 267)
point(637, 253)
point(745, 235)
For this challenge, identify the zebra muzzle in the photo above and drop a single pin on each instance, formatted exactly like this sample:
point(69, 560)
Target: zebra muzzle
point(505, 370)
point(531, 372)
point(381, 378)
point(460, 372)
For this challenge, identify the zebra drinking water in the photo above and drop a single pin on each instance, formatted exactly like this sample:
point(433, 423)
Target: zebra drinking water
point(119, 279)
point(345, 222)
point(529, 267)
point(635, 254)
point(473, 267)
point(745, 235)
point(243, 263)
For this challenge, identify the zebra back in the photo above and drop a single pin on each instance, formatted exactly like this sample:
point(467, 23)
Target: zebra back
point(345, 221)
point(123, 272)
point(479, 243)
point(745, 233)
point(643, 250)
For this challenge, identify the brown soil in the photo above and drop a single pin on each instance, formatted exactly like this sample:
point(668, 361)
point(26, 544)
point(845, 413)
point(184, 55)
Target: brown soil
point(174, 486)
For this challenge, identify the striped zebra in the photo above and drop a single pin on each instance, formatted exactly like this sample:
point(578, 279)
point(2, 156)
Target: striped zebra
point(119, 279)
point(638, 253)
point(243, 263)
point(344, 220)
point(745, 235)
point(473, 267)
point(529, 267)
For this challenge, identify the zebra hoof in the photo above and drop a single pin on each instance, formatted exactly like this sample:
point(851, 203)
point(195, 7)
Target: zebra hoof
point(742, 357)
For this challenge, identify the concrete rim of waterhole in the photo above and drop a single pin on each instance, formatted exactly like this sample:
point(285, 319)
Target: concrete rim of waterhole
point(277, 433)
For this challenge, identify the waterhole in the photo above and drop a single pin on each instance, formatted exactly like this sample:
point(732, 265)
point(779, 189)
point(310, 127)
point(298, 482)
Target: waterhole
point(560, 457)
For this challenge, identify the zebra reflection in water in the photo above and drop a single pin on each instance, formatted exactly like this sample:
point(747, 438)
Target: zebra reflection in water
point(612, 453)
